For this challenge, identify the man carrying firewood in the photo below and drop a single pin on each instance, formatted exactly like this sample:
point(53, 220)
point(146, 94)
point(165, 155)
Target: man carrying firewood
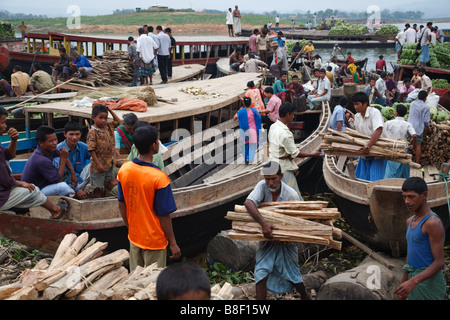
point(277, 266)
point(368, 121)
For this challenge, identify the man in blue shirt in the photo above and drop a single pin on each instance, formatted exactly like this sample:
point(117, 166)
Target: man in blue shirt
point(81, 64)
point(79, 157)
point(337, 121)
point(40, 170)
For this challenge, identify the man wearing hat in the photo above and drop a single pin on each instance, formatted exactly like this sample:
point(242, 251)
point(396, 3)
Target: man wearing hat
point(280, 60)
point(381, 65)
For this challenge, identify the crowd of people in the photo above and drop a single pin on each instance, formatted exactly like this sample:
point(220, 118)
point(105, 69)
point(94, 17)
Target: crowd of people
point(423, 36)
point(151, 52)
point(123, 158)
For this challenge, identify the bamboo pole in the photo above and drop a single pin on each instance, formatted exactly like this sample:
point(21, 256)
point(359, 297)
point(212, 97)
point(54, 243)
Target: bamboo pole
point(40, 94)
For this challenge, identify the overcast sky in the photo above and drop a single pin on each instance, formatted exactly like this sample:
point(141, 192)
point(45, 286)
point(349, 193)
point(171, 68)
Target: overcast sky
point(101, 7)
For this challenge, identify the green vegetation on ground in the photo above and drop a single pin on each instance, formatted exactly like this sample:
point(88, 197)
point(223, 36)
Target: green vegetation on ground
point(147, 17)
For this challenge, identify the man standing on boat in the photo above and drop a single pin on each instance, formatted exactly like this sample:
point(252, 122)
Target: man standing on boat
point(282, 148)
point(164, 43)
point(237, 21)
point(229, 22)
point(423, 278)
point(276, 266)
point(368, 121)
point(425, 41)
point(146, 52)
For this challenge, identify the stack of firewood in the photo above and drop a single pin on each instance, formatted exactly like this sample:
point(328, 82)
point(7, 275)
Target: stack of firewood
point(294, 221)
point(79, 270)
point(351, 143)
point(113, 69)
point(436, 145)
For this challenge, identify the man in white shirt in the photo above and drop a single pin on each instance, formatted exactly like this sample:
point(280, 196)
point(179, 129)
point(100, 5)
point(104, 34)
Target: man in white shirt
point(380, 84)
point(425, 41)
point(322, 91)
point(282, 148)
point(398, 128)
point(146, 48)
point(400, 41)
point(419, 117)
point(229, 22)
point(163, 41)
point(411, 34)
point(425, 82)
point(439, 35)
point(253, 64)
point(368, 121)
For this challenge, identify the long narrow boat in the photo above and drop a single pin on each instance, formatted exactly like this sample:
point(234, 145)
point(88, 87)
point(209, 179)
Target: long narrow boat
point(376, 210)
point(207, 178)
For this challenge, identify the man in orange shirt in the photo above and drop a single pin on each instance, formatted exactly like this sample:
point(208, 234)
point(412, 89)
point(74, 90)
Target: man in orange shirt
point(146, 202)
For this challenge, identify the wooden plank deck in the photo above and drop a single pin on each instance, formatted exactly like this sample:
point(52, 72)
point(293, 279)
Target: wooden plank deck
point(221, 92)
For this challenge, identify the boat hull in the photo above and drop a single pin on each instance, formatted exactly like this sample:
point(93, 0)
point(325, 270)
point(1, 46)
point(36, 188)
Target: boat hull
point(376, 210)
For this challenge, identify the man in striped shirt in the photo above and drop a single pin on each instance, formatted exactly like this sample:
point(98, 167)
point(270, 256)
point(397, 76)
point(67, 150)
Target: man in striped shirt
point(20, 82)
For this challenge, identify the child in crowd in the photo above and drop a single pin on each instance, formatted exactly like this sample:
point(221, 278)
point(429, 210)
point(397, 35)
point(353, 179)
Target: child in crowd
point(101, 142)
point(183, 281)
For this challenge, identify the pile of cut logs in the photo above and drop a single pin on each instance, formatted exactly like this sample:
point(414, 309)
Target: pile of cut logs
point(351, 142)
point(294, 221)
point(113, 69)
point(436, 145)
point(80, 271)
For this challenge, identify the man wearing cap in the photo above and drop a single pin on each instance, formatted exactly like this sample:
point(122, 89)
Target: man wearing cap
point(335, 52)
point(280, 60)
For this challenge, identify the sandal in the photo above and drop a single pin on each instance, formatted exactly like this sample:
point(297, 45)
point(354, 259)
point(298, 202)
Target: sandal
point(64, 205)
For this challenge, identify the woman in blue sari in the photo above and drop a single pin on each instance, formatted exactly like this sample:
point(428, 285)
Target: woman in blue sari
point(250, 127)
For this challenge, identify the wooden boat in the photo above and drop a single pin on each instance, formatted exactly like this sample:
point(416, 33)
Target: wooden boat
point(175, 108)
point(223, 67)
point(376, 210)
point(204, 191)
point(359, 63)
point(402, 71)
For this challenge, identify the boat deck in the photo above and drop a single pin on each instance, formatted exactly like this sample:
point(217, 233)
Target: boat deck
point(218, 93)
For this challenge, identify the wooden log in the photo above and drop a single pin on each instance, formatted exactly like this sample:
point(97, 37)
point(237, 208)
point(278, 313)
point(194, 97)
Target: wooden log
point(255, 227)
point(376, 256)
point(312, 214)
point(225, 293)
point(56, 274)
point(104, 283)
point(72, 251)
point(25, 293)
point(66, 242)
point(89, 280)
point(74, 275)
point(370, 280)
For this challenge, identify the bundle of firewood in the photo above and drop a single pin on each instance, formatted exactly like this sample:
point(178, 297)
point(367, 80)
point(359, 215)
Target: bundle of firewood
point(79, 270)
point(351, 142)
point(436, 145)
point(294, 221)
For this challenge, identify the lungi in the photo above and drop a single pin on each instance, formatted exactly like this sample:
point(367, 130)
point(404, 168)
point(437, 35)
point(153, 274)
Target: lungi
point(370, 169)
point(278, 261)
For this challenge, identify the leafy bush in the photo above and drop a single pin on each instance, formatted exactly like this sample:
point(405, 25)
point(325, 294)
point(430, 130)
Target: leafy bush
point(6, 30)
